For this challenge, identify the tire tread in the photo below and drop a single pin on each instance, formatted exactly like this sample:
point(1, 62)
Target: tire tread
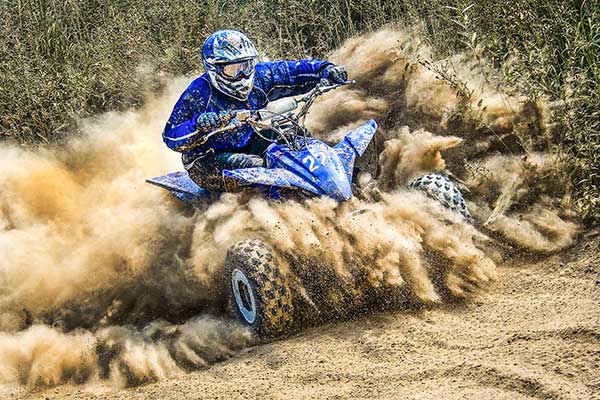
point(274, 295)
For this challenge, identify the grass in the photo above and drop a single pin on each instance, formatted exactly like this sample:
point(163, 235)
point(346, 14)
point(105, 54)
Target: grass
point(61, 60)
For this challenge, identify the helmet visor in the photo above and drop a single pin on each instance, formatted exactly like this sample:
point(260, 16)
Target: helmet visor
point(237, 70)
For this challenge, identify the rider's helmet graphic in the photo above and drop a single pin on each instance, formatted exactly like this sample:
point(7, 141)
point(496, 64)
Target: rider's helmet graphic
point(229, 58)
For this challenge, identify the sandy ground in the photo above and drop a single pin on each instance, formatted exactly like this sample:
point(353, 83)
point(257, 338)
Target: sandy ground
point(535, 336)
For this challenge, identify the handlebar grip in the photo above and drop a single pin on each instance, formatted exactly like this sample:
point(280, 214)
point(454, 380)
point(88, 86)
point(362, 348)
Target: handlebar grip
point(226, 118)
point(328, 83)
point(231, 126)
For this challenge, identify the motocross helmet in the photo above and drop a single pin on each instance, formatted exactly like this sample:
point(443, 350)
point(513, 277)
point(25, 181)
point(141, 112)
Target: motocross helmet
point(229, 58)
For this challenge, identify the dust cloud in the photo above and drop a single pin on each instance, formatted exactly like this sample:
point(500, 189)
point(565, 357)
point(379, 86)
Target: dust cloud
point(95, 262)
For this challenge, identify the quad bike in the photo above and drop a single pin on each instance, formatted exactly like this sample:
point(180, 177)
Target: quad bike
point(258, 285)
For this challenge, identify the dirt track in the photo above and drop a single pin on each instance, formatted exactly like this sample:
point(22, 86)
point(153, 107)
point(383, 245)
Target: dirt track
point(535, 336)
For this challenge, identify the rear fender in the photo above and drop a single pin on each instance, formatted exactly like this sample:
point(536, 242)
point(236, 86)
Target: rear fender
point(183, 187)
point(355, 144)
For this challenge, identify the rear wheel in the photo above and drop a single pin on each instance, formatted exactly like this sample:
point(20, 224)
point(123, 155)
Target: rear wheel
point(259, 293)
point(443, 190)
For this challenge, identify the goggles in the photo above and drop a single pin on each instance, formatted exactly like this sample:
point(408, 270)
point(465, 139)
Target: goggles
point(237, 70)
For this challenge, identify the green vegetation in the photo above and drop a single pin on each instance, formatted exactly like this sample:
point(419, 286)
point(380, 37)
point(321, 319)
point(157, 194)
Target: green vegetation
point(65, 59)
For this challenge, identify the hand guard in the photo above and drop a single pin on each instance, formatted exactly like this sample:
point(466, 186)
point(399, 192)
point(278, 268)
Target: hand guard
point(335, 74)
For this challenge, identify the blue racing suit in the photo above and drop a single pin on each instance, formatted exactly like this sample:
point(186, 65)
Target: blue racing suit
point(241, 148)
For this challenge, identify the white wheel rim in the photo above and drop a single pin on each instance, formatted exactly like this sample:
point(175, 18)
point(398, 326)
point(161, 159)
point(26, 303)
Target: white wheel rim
point(237, 280)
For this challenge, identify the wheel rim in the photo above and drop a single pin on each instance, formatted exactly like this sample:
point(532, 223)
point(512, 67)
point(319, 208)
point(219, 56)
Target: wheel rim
point(244, 297)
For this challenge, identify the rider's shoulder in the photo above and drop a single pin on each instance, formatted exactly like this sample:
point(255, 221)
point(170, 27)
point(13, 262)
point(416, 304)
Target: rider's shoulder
point(197, 95)
point(268, 70)
point(262, 65)
point(200, 84)
point(267, 65)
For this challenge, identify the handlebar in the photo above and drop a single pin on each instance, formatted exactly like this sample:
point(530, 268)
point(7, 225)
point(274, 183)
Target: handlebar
point(323, 87)
point(256, 116)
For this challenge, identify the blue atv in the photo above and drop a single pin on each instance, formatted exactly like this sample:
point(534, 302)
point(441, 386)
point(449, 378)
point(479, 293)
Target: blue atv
point(297, 165)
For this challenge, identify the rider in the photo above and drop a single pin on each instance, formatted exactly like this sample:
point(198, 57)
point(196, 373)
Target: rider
point(234, 81)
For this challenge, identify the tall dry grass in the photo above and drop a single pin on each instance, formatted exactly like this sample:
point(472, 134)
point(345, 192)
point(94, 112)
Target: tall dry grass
point(61, 60)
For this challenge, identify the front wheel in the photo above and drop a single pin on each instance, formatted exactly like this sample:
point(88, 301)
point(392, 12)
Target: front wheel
point(258, 292)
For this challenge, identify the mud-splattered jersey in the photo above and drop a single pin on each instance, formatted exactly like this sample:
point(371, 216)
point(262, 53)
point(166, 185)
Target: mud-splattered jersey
point(272, 81)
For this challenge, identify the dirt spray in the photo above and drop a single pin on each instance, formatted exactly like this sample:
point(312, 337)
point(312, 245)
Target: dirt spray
point(94, 262)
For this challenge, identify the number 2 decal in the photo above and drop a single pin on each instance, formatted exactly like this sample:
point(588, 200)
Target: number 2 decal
point(310, 161)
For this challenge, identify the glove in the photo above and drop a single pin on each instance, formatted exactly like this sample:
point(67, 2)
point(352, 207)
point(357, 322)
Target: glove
point(335, 74)
point(209, 121)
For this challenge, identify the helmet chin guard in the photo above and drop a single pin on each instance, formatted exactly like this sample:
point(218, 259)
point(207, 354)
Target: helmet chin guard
point(239, 89)
point(229, 47)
